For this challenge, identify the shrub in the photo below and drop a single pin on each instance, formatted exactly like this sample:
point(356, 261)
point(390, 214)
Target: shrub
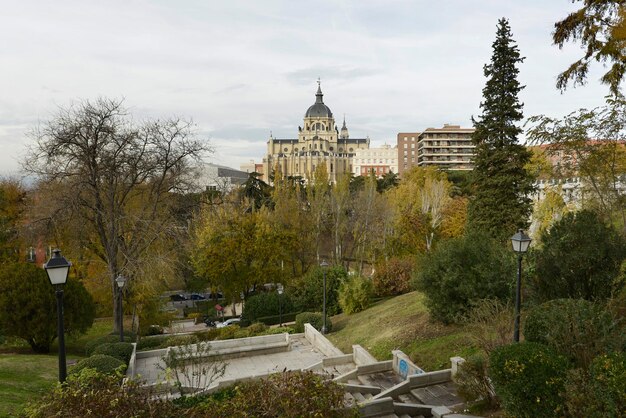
point(151, 343)
point(177, 340)
point(88, 394)
point(229, 332)
point(393, 277)
point(275, 319)
point(256, 328)
point(462, 271)
point(278, 330)
point(99, 362)
point(121, 351)
point(313, 318)
point(473, 383)
point(91, 345)
point(294, 394)
point(265, 304)
point(580, 258)
point(308, 292)
point(208, 335)
point(242, 333)
point(355, 294)
point(490, 324)
point(154, 330)
point(575, 328)
point(28, 306)
point(599, 392)
point(528, 378)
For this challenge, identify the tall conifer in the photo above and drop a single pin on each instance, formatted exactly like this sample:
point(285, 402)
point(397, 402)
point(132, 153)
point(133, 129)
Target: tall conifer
point(502, 186)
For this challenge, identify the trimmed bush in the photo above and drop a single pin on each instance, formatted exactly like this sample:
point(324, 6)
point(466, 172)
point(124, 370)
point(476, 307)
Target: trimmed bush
point(355, 294)
point(313, 318)
point(90, 346)
point(575, 328)
point(177, 340)
point(121, 351)
point(275, 319)
point(151, 343)
point(264, 305)
point(99, 362)
point(256, 328)
point(278, 330)
point(528, 378)
point(308, 293)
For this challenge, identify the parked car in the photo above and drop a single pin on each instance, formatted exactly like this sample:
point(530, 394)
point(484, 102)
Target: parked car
point(178, 297)
point(197, 296)
point(231, 321)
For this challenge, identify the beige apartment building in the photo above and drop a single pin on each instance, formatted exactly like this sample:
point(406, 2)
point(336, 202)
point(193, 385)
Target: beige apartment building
point(447, 148)
point(319, 141)
point(380, 161)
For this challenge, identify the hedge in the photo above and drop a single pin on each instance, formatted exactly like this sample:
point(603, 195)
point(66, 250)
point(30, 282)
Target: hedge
point(121, 351)
point(100, 362)
point(275, 319)
point(313, 318)
point(106, 339)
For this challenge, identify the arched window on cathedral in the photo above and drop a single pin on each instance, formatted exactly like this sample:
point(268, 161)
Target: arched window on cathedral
point(315, 146)
point(331, 167)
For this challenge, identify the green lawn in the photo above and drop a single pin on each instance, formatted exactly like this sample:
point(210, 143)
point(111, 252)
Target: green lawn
point(25, 376)
point(401, 323)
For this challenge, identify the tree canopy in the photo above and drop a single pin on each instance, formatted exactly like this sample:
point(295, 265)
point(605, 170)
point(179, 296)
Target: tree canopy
point(600, 27)
point(501, 184)
point(116, 179)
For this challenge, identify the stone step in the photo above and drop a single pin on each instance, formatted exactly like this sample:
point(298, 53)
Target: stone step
point(354, 382)
point(408, 398)
point(358, 396)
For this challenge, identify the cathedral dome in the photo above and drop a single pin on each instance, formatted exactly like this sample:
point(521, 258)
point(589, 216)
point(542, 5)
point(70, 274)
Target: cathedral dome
point(319, 109)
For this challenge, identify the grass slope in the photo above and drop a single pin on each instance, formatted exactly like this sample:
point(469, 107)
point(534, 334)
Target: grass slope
point(402, 323)
point(25, 376)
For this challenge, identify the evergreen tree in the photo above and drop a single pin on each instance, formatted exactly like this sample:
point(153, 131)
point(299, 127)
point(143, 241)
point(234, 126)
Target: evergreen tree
point(501, 184)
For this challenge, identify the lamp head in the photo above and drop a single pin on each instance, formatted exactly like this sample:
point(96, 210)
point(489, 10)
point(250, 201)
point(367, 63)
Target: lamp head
point(121, 281)
point(57, 268)
point(520, 242)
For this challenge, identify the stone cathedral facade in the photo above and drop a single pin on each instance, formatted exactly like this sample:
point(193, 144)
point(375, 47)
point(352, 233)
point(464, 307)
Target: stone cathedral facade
point(319, 141)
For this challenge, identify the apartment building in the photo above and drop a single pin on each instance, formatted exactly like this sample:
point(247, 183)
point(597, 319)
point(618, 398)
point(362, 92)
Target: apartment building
point(380, 161)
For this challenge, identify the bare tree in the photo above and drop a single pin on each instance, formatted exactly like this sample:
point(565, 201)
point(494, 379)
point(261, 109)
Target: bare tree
point(117, 176)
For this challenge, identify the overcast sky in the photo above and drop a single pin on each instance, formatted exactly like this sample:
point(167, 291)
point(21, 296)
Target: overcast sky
point(240, 69)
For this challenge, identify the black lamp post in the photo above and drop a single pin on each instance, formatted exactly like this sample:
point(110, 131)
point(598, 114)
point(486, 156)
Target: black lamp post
point(58, 269)
point(121, 281)
point(520, 242)
point(280, 305)
point(323, 265)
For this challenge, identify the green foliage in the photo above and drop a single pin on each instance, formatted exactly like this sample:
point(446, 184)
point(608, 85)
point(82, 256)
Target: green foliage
point(121, 351)
point(528, 378)
point(275, 319)
point(575, 328)
point(600, 28)
point(599, 392)
point(500, 182)
point(176, 340)
point(278, 330)
point(257, 328)
point(28, 306)
point(308, 293)
point(472, 380)
point(91, 345)
point(355, 294)
point(88, 394)
point(580, 258)
point(392, 277)
point(292, 394)
point(101, 363)
point(313, 318)
point(265, 304)
point(152, 343)
point(462, 271)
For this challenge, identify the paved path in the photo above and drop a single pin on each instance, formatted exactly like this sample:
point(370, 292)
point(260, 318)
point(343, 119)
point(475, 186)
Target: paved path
point(301, 355)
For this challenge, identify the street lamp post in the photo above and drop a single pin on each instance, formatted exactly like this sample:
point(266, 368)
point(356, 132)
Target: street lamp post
point(58, 269)
point(121, 281)
point(520, 242)
point(280, 304)
point(323, 265)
